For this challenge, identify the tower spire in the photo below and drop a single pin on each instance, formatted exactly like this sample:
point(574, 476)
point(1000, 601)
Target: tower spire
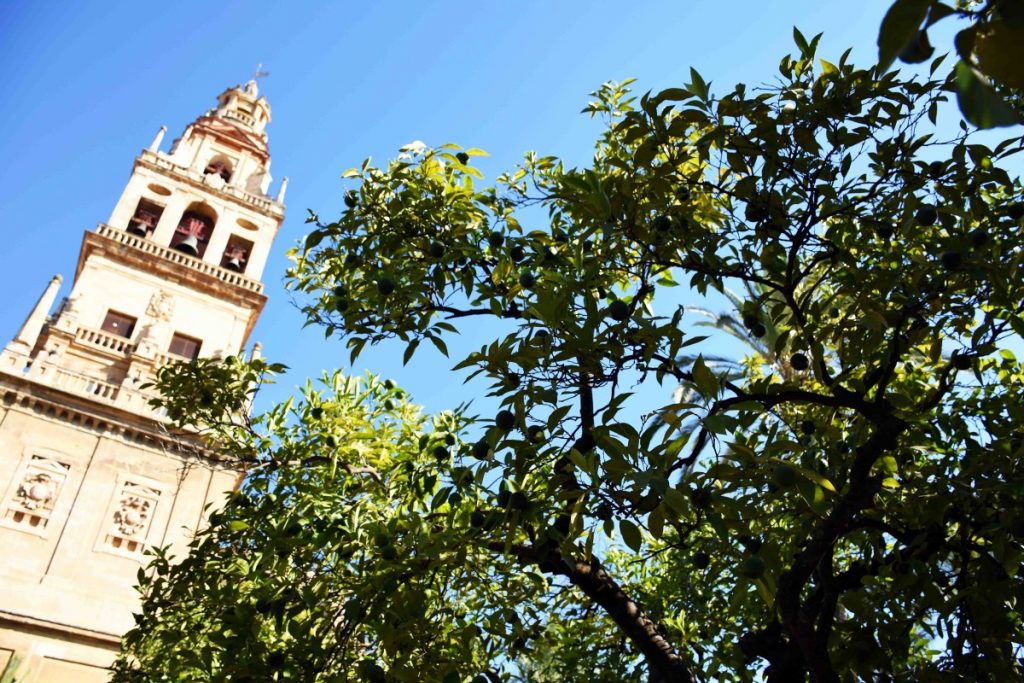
point(30, 329)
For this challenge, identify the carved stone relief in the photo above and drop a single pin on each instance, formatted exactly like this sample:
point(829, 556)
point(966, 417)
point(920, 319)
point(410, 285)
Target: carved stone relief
point(36, 494)
point(161, 306)
point(130, 518)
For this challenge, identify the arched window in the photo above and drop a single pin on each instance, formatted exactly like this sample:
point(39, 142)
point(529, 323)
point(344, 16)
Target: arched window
point(219, 165)
point(194, 229)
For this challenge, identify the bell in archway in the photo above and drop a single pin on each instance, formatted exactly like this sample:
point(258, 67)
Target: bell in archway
point(137, 227)
point(234, 264)
point(189, 245)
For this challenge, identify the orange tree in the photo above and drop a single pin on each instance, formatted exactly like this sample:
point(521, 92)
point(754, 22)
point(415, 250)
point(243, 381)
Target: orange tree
point(850, 509)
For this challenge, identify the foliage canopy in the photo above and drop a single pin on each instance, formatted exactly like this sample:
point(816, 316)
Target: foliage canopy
point(845, 509)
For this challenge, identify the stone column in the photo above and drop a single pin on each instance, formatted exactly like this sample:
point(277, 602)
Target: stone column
point(284, 188)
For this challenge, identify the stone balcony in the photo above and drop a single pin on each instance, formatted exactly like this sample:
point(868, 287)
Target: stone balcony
point(261, 202)
point(174, 256)
point(124, 396)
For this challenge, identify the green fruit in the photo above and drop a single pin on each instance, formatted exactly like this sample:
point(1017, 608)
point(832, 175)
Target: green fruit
point(455, 499)
point(758, 330)
point(584, 444)
point(962, 362)
point(926, 214)
point(936, 170)
point(979, 237)
point(389, 552)
point(436, 249)
point(385, 285)
point(883, 229)
point(495, 239)
point(276, 659)
point(799, 362)
point(527, 280)
point(701, 498)
point(449, 439)
point(1015, 211)
point(751, 543)
point(603, 512)
point(517, 253)
point(749, 320)
point(371, 672)
point(503, 498)
point(951, 260)
point(477, 518)
point(752, 567)
point(340, 292)
point(535, 433)
point(618, 310)
point(481, 449)
point(351, 258)
point(381, 539)
point(389, 404)
point(463, 158)
point(755, 212)
point(351, 199)
point(441, 454)
point(519, 501)
point(917, 50)
point(784, 475)
point(808, 427)
point(505, 420)
point(701, 560)
point(682, 193)
point(662, 223)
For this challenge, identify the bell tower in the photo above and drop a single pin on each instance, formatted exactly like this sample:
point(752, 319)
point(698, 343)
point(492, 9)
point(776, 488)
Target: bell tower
point(90, 475)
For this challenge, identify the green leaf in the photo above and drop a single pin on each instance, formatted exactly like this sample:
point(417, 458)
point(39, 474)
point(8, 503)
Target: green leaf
point(314, 238)
point(898, 28)
point(631, 534)
point(705, 380)
point(979, 103)
point(800, 41)
point(409, 350)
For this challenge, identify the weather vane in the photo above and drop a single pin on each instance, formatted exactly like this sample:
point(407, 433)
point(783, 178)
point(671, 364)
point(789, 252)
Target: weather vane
point(260, 73)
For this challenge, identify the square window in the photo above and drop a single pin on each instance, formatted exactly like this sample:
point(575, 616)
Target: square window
point(118, 323)
point(185, 347)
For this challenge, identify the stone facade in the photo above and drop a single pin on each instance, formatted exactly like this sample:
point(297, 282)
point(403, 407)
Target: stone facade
point(90, 474)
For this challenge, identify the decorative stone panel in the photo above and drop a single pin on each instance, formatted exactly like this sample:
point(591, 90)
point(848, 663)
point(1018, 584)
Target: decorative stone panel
point(34, 496)
point(129, 518)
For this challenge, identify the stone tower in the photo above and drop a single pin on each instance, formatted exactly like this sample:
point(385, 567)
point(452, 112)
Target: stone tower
point(90, 476)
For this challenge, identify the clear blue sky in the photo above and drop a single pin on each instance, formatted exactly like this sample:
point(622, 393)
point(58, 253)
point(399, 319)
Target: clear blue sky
point(85, 85)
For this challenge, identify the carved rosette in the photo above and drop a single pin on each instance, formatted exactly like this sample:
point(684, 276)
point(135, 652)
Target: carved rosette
point(132, 516)
point(33, 500)
point(161, 306)
point(37, 491)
